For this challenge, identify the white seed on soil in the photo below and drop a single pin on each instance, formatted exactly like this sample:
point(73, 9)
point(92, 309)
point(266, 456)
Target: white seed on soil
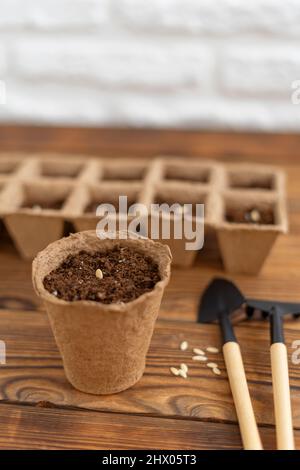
point(184, 345)
point(199, 352)
point(216, 371)
point(182, 373)
point(184, 367)
point(212, 365)
point(174, 371)
point(200, 358)
point(99, 274)
point(212, 350)
point(55, 293)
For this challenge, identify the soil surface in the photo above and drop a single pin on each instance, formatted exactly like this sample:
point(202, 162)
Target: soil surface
point(127, 274)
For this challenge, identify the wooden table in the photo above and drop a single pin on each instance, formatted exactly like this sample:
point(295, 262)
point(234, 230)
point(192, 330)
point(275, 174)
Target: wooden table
point(40, 410)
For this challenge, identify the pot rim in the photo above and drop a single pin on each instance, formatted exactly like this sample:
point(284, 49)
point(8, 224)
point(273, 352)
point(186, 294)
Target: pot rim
point(39, 270)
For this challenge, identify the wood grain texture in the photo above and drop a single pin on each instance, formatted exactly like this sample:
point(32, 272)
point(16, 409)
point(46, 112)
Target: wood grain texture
point(240, 393)
point(34, 372)
point(46, 428)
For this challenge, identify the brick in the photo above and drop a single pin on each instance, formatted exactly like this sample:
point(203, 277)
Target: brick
point(196, 112)
point(214, 113)
point(152, 66)
point(52, 103)
point(259, 71)
point(52, 14)
point(214, 18)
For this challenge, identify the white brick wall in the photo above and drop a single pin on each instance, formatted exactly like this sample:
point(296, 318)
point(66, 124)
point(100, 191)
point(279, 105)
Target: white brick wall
point(136, 65)
point(261, 72)
point(186, 63)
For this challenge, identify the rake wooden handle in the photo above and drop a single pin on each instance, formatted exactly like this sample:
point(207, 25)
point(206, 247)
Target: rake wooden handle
point(241, 397)
point(282, 399)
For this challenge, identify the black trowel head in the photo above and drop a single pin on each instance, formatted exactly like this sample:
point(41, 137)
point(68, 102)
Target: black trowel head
point(267, 307)
point(220, 297)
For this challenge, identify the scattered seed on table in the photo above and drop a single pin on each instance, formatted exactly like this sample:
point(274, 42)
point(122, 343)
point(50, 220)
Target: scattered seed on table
point(200, 358)
point(184, 367)
point(212, 365)
point(212, 349)
point(182, 373)
point(199, 352)
point(184, 345)
point(174, 371)
point(216, 371)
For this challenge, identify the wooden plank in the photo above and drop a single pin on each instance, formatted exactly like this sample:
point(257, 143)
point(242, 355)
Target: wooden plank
point(228, 146)
point(45, 428)
point(34, 372)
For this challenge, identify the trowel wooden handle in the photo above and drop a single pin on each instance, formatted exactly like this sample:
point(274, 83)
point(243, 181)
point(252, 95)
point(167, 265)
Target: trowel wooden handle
point(282, 399)
point(241, 397)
